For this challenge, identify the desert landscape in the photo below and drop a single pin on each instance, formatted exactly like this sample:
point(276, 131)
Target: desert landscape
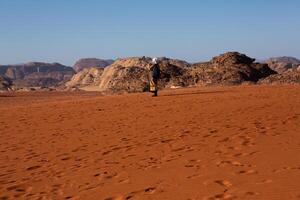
point(206, 143)
point(149, 100)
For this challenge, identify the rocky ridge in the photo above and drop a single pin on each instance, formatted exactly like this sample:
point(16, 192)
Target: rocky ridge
point(37, 74)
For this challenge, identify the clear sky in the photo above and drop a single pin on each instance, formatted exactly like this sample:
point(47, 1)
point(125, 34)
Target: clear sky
point(193, 30)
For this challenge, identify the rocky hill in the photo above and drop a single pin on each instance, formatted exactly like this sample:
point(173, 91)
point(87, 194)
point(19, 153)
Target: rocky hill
point(229, 69)
point(5, 84)
point(131, 75)
point(282, 64)
point(288, 77)
point(37, 74)
point(86, 77)
point(91, 63)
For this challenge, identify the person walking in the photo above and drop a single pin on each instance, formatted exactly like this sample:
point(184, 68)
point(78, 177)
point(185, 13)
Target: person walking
point(154, 77)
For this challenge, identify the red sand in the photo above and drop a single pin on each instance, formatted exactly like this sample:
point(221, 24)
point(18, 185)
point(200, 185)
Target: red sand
point(201, 143)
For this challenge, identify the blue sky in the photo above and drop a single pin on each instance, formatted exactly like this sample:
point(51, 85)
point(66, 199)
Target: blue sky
point(193, 30)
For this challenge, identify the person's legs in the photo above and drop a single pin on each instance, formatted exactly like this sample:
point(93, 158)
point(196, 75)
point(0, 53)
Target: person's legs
point(156, 87)
point(153, 86)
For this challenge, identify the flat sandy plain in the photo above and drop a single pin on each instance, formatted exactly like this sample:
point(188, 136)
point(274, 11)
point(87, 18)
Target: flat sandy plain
point(187, 144)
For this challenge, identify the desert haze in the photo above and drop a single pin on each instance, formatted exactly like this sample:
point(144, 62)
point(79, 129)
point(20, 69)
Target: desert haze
point(203, 143)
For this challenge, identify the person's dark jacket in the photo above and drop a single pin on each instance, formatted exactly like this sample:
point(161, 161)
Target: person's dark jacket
point(155, 71)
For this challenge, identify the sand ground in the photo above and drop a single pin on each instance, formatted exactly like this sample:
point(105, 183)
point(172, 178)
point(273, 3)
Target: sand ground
point(187, 144)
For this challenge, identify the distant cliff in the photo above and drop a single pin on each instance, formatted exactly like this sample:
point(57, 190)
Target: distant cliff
point(37, 74)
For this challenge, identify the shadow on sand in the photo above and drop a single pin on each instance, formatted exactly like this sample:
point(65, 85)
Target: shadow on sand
point(6, 95)
point(194, 93)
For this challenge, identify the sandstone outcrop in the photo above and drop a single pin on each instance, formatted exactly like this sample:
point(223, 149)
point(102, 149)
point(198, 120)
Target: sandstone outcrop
point(91, 63)
point(283, 64)
point(86, 77)
point(231, 68)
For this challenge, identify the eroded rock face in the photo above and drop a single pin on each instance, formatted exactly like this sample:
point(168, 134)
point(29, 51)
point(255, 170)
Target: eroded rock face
point(91, 63)
point(86, 77)
point(229, 69)
point(5, 84)
point(131, 74)
point(283, 64)
point(36, 74)
point(288, 77)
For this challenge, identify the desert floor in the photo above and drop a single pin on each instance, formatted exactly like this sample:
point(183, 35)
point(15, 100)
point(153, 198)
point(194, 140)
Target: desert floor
point(199, 143)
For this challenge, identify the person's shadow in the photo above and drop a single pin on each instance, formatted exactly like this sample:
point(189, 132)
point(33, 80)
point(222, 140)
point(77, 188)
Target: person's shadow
point(193, 93)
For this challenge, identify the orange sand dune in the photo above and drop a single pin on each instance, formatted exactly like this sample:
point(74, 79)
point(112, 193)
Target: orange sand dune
point(200, 143)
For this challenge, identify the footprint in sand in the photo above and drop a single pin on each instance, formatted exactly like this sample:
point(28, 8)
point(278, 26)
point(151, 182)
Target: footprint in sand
point(4, 197)
point(264, 182)
point(33, 167)
point(224, 183)
point(224, 196)
point(247, 172)
point(194, 176)
point(131, 195)
point(114, 198)
point(19, 190)
point(287, 168)
point(230, 162)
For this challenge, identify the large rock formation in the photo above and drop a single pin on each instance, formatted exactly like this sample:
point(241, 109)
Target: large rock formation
point(229, 69)
point(283, 64)
point(288, 77)
point(91, 63)
point(131, 74)
point(5, 84)
point(86, 77)
point(36, 74)
point(288, 69)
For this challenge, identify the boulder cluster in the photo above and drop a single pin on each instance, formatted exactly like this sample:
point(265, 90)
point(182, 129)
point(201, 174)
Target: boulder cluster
point(229, 69)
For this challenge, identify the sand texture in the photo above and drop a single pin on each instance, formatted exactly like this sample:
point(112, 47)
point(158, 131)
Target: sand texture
point(188, 144)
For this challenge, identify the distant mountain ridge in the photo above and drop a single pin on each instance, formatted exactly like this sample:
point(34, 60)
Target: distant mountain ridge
point(283, 64)
point(288, 69)
point(37, 74)
point(90, 63)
